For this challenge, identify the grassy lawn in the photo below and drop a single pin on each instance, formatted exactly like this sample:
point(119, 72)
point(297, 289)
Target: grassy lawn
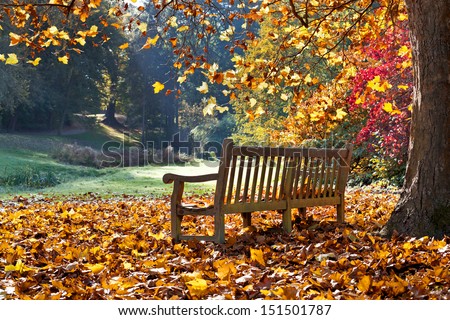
point(27, 167)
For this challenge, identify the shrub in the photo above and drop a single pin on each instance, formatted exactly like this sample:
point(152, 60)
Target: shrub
point(30, 178)
point(80, 155)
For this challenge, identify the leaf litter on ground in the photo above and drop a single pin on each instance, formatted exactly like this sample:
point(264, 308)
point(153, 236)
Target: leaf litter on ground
point(90, 247)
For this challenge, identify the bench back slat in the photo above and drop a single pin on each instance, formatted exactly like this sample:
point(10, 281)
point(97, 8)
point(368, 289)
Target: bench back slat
point(268, 174)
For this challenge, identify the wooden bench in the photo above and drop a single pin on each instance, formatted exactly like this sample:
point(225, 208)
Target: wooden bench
point(265, 178)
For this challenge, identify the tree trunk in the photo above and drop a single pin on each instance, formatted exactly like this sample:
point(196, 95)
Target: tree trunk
point(110, 114)
point(424, 206)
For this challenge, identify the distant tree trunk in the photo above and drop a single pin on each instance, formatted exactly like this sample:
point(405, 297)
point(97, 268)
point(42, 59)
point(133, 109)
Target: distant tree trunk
point(110, 114)
point(13, 122)
point(65, 106)
point(424, 206)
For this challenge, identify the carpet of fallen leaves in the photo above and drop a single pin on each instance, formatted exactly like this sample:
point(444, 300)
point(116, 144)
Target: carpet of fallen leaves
point(96, 248)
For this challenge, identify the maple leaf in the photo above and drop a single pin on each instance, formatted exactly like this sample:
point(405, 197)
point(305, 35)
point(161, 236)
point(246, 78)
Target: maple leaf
point(365, 283)
point(157, 87)
point(15, 39)
point(64, 59)
point(142, 27)
point(257, 256)
point(340, 114)
point(203, 88)
point(12, 59)
point(150, 42)
point(197, 287)
point(95, 268)
point(34, 62)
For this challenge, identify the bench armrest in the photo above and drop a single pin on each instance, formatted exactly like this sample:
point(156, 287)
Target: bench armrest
point(170, 177)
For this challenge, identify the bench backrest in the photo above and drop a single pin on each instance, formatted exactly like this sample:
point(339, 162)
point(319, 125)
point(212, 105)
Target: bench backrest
point(265, 178)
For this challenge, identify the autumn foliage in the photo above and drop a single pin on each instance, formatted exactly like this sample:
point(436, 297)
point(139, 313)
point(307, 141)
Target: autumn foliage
point(94, 248)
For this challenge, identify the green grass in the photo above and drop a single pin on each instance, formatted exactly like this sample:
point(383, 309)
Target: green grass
point(23, 156)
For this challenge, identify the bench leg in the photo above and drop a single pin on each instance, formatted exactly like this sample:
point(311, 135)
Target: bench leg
point(177, 194)
point(176, 226)
point(340, 213)
point(287, 220)
point(246, 219)
point(302, 212)
point(219, 227)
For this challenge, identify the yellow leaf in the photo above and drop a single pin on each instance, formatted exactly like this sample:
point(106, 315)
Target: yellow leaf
point(127, 266)
point(308, 79)
point(81, 41)
point(340, 114)
point(158, 86)
point(12, 59)
point(157, 236)
point(203, 88)
point(365, 283)
point(402, 17)
point(150, 42)
point(315, 116)
point(173, 22)
point(284, 97)
point(177, 65)
point(257, 255)
point(64, 59)
point(10, 268)
point(53, 30)
point(15, 39)
point(2, 57)
point(20, 266)
point(124, 46)
point(387, 107)
point(260, 111)
point(224, 269)
point(183, 28)
point(95, 268)
point(197, 287)
point(221, 109)
point(377, 85)
point(402, 51)
point(252, 102)
point(404, 87)
point(209, 109)
point(142, 27)
point(34, 62)
point(181, 79)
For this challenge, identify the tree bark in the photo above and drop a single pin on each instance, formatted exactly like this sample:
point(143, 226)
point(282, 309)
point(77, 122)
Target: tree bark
point(424, 205)
point(110, 114)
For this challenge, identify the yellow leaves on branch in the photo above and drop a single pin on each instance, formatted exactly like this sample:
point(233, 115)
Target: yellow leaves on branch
point(389, 108)
point(378, 85)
